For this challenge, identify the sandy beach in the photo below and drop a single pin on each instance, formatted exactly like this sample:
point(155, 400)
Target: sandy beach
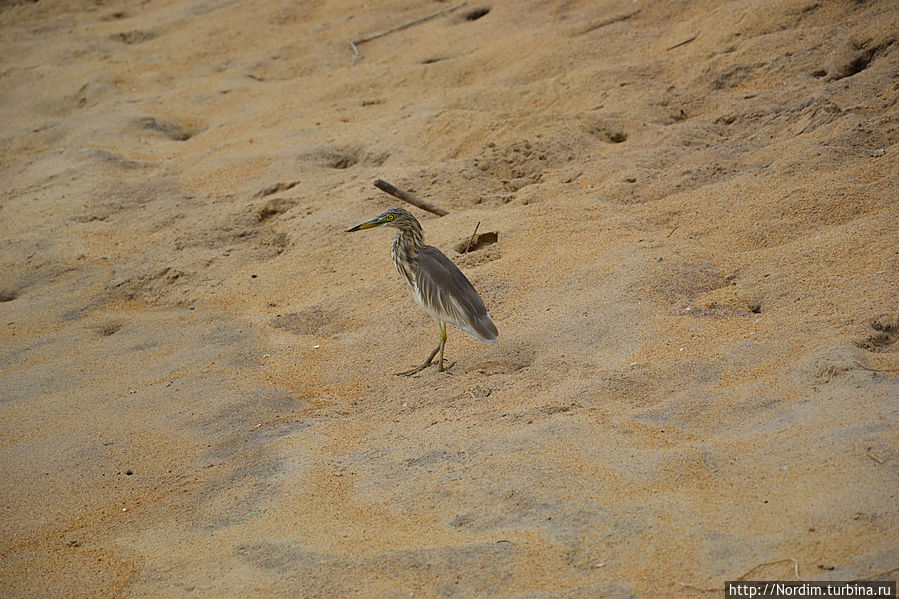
point(689, 227)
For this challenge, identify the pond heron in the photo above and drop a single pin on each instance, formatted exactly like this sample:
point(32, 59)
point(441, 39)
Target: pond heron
point(438, 286)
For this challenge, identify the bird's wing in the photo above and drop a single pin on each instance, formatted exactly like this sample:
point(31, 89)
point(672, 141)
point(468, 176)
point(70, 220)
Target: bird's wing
point(444, 292)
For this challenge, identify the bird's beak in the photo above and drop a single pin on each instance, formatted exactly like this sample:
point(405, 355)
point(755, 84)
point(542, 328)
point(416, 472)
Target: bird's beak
point(372, 223)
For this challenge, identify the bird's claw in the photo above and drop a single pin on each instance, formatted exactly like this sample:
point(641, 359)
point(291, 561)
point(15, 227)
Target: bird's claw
point(420, 367)
point(414, 370)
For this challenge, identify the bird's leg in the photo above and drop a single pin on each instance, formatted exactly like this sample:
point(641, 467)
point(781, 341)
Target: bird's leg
point(429, 361)
point(426, 363)
point(442, 326)
point(420, 367)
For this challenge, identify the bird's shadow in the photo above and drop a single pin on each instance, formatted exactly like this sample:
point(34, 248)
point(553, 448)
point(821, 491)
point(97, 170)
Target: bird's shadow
point(509, 355)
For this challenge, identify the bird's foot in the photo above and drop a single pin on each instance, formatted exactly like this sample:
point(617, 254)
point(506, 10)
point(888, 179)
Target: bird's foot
point(440, 368)
point(445, 367)
point(417, 369)
point(414, 370)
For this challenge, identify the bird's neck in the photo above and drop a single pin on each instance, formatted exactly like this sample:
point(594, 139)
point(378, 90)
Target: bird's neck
point(406, 245)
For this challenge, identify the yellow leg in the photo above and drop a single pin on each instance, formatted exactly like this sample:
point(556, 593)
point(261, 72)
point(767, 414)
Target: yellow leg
point(442, 326)
point(429, 361)
point(420, 367)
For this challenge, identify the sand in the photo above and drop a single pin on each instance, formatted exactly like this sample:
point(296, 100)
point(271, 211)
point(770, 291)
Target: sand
point(694, 276)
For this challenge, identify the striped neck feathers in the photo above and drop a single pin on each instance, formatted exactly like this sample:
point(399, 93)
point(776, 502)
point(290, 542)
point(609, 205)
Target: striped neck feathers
point(408, 241)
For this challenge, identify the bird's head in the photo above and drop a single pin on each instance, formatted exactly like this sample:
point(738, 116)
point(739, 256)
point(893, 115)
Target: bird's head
point(395, 217)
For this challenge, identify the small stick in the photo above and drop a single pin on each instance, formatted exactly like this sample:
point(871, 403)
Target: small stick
point(747, 573)
point(777, 561)
point(400, 27)
point(610, 21)
point(672, 231)
point(470, 241)
point(685, 42)
point(696, 588)
point(408, 197)
point(873, 457)
point(863, 367)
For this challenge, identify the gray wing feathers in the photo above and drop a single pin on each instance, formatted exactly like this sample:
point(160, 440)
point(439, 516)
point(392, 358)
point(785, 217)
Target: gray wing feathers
point(450, 297)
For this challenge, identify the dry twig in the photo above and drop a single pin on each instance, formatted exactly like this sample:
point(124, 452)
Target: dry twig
point(610, 21)
point(777, 561)
point(354, 43)
point(863, 367)
point(470, 241)
point(701, 589)
point(873, 457)
point(408, 197)
point(685, 42)
point(747, 573)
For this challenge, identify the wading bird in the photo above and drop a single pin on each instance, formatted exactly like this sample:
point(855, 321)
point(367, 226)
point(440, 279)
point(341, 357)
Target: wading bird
point(437, 284)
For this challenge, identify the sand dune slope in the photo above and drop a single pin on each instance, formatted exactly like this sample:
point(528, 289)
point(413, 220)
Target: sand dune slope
point(690, 249)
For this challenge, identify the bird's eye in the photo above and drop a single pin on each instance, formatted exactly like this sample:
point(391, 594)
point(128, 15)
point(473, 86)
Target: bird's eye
point(389, 217)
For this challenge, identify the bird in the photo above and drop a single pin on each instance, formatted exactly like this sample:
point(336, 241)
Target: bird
point(438, 286)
